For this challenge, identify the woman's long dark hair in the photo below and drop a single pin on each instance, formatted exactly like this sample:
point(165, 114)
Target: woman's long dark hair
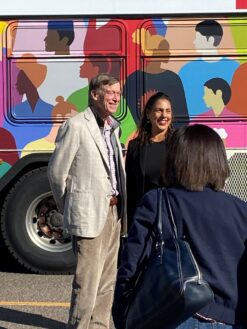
point(145, 127)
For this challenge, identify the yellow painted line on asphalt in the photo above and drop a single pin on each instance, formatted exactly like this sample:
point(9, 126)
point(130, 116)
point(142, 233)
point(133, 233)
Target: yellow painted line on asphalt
point(46, 304)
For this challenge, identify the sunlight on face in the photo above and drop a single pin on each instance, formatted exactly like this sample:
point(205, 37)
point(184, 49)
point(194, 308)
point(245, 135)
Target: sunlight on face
point(106, 100)
point(160, 116)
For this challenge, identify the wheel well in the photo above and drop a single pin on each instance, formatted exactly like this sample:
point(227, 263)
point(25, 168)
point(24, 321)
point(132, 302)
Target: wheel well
point(15, 178)
point(20, 168)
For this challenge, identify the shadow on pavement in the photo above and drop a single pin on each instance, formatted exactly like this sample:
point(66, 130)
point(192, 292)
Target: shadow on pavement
point(9, 264)
point(29, 319)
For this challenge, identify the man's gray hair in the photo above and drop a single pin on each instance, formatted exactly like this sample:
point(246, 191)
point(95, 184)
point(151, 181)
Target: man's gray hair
point(99, 81)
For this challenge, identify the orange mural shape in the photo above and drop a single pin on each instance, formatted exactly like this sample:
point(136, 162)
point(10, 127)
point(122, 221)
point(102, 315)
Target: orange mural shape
point(238, 100)
point(35, 71)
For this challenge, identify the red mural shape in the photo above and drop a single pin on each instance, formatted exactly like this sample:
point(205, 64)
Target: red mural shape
point(7, 142)
point(241, 4)
point(108, 38)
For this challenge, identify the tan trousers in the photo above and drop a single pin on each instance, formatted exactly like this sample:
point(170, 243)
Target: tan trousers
point(94, 280)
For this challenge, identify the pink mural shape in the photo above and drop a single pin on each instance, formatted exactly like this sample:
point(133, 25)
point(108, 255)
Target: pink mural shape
point(232, 133)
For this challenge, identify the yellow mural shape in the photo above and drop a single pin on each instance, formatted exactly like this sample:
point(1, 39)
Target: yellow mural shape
point(2, 40)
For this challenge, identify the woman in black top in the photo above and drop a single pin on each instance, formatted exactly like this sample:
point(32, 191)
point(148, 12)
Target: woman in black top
point(146, 153)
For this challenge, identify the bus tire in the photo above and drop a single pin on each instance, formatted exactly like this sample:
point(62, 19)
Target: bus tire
point(22, 234)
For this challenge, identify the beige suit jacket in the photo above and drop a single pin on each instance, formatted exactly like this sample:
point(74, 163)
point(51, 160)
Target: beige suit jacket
point(79, 175)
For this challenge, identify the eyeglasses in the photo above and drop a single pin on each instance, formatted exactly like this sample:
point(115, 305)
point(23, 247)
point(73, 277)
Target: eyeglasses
point(112, 92)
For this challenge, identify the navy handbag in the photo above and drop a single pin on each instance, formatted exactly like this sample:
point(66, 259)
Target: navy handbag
point(171, 288)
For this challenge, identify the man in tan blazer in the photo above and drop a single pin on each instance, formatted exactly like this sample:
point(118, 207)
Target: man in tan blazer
point(87, 178)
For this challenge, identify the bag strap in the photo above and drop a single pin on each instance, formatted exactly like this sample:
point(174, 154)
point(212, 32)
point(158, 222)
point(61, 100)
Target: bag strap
point(162, 192)
point(159, 234)
point(170, 215)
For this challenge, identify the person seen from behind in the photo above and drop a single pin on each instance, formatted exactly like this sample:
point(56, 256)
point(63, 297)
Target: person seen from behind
point(146, 153)
point(212, 221)
point(88, 182)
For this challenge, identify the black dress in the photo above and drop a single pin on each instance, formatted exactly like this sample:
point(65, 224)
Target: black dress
point(143, 171)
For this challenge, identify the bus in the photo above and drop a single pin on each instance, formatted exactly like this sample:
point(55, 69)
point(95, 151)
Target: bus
point(194, 51)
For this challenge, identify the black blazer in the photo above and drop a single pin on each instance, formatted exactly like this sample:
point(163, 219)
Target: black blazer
point(137, 182)
point(135, 172)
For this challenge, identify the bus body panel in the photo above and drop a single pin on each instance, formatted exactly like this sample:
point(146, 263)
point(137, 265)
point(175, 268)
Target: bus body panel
point(200, 61)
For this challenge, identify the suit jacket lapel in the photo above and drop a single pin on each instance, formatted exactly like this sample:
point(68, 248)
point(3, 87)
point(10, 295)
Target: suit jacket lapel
point(96, 134)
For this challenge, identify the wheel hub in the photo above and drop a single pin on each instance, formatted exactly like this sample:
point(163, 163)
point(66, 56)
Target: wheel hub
point(44, 225)
point(50, 224)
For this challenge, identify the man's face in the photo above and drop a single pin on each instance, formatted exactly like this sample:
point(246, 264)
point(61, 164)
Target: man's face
point(106, 100)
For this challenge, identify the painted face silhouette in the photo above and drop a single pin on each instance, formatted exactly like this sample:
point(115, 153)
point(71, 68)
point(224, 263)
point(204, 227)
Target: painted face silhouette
point(88, 70)
point(23, 83)
point(202, 43)
point(52, 41)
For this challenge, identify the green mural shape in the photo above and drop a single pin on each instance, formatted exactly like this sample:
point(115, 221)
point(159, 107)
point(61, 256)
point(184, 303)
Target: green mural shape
point(79, 98)
point(4, 167)
point(239, 32)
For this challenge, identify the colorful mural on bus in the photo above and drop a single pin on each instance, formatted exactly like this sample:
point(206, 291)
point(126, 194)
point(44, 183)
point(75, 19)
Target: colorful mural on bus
point(45, 70)
point(46, 66)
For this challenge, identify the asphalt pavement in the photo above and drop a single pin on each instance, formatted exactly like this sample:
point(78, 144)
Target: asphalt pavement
point(30, 300)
